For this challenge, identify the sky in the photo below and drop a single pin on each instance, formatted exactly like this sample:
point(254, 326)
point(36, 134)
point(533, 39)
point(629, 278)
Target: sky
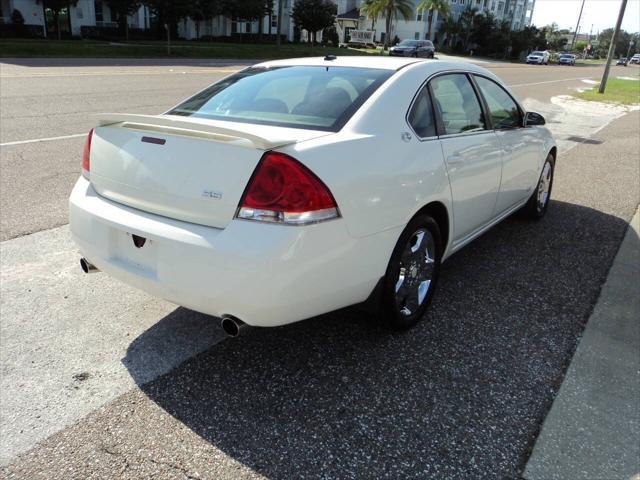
point(599, 13)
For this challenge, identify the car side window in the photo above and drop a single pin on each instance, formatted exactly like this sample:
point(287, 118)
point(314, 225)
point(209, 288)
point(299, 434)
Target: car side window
point(456, 102)
point(505, 113)
point(421, 115)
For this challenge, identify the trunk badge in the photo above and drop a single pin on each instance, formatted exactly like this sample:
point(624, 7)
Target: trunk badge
point(154, 140)
point(212, 194)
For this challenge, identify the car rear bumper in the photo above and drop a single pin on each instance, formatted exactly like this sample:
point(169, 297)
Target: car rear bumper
point(265, 275)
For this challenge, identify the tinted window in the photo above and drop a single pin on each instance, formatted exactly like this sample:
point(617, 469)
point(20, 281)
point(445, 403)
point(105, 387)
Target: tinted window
point(408, 43)
point(457, 104)
point(421, 115)
point(503, 110)
point(320, 98)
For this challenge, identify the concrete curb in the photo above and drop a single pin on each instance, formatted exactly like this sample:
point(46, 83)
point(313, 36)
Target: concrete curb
point(593, 429)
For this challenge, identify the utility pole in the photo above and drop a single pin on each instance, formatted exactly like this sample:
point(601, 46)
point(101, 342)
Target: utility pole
point(577, 26)
point(612, 47)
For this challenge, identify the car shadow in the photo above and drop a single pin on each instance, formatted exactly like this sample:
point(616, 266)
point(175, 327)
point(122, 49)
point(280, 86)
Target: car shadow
point(462, 395)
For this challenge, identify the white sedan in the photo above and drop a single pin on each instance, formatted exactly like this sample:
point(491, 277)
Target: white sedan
point(296, 187)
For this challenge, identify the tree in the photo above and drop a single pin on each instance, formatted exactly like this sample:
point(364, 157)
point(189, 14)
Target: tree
point(16, 18)
point(248, 10)
point(123, 9)
point(56, 7)
point(314, 15)
point(555, 38)
point(169, 12)
point(435, 7)
point(467, 20)
point(201, 10)
point(449, 29)
point(390, 9)
point(371, 9)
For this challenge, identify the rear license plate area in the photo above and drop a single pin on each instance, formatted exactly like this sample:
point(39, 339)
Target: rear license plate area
point(135, 253)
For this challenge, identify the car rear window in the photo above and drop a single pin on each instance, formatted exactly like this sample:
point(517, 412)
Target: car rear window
point(310, 97)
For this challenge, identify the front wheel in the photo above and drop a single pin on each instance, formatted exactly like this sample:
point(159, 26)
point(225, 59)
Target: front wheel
point(538, 203)
point(412, 273)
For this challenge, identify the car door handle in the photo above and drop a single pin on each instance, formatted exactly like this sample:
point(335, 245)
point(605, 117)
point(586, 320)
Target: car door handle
point(455, 159)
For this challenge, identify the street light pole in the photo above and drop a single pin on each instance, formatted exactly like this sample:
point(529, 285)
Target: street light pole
point(631, 43)
point(612, 47)
point(575, 34)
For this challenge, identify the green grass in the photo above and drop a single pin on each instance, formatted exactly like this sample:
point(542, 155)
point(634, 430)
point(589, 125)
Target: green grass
point(626, 92)
point(156, 49)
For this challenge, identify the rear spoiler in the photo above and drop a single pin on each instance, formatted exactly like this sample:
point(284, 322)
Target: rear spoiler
point(191, 127)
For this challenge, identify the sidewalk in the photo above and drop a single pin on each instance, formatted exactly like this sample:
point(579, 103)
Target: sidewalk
point(593, 429)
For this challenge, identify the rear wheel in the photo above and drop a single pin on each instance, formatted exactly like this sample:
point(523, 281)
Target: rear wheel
point(412, 273)
point(538, 203)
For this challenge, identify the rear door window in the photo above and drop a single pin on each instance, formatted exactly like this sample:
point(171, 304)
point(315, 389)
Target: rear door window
point(319, 98)
point(456, 102)
point(421, 115)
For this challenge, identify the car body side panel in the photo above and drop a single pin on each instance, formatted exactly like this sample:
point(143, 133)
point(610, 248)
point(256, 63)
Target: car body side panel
point(474, 163)
point(520, 162)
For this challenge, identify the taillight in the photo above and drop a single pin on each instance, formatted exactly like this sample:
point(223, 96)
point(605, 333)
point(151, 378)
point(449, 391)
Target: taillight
point(283, 190)
point(86, 156)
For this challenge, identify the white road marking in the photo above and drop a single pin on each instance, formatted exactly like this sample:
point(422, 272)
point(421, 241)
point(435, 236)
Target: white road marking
point(549, 81)
point(47, 139)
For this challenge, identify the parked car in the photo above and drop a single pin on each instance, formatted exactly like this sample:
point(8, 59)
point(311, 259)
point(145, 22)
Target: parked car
point(296, 187)
point(622, 61)
point(413, 48)
point(566, 59)
point(635, 58)
point(540, 58)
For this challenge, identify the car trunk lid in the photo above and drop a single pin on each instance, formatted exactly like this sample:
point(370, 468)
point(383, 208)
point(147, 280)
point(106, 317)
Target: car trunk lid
point(184, 168)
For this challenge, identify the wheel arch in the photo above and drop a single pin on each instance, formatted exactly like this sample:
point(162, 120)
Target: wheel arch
point(440, 214)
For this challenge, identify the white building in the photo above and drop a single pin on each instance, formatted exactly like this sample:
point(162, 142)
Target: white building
point(222, 26)
point(97, 13)
point(85, 13)
point(517, 12)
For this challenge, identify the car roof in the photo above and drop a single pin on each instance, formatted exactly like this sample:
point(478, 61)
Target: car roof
point(361, 61)
point(374, 61)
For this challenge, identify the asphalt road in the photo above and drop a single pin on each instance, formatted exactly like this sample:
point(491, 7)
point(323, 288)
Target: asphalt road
point(43, 99)
point(461, 396)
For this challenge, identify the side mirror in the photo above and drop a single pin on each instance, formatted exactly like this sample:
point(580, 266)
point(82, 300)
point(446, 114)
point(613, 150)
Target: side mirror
point(533, 118)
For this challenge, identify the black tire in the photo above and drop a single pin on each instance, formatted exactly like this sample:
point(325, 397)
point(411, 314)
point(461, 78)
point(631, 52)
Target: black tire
point(535, 208)
point(432, 55)
point(396, 313)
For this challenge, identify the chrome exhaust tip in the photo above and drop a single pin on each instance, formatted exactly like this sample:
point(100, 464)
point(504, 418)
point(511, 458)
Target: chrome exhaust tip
point(233, 327)
point(87, 266)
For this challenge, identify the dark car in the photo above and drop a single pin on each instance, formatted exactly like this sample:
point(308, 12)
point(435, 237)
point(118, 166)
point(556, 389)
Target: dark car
point(413, 48)
point(622, 61)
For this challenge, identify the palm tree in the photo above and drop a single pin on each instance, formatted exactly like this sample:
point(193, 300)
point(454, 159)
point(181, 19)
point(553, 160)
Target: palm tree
point(371, 9)
point(449, 29)
point(389, 9)
point(467, 20)
point(434, 6)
